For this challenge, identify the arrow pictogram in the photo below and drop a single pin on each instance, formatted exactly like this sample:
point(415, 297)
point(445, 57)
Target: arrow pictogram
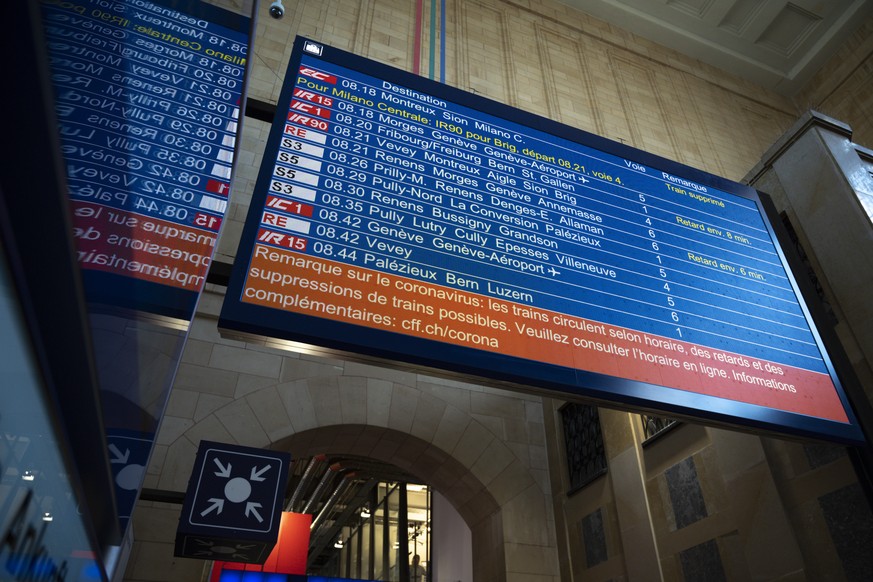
point(251, 508)
point(117, 456)
point(217, 503)
point(256, 473)
point(222, 470)
point(236, 490)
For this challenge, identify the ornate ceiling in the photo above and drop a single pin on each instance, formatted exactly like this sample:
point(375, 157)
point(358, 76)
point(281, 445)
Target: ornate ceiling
point(779, 44)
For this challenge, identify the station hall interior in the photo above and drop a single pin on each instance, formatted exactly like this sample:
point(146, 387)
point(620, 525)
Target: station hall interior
point(483, 481)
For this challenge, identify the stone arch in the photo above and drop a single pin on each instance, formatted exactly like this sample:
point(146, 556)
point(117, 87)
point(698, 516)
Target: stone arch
point(426, 462)
point(477, 446)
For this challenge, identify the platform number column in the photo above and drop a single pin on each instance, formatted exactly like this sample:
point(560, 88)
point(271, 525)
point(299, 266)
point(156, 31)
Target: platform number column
point(662, 271)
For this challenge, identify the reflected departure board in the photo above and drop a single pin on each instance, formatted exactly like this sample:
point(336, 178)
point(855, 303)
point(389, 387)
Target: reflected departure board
point(402, 219)
point(147, 101)
point(147, 98)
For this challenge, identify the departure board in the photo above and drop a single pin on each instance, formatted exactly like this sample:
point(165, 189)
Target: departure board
point(147, 98)
point(399, 218)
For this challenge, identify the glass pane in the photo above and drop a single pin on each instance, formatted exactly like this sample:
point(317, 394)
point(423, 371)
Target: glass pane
point(393, 509)
point(379, 525)
point(365, 550)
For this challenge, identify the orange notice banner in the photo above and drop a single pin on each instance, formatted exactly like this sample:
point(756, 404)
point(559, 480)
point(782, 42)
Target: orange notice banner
point(141, 247)
point(288, 281)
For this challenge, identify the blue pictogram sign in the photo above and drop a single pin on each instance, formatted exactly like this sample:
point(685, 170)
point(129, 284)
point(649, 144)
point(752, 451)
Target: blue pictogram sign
point(128, 457)
point(233, 503)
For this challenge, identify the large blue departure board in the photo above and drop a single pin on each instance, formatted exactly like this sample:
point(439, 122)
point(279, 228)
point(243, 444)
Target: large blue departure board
point(399, 218)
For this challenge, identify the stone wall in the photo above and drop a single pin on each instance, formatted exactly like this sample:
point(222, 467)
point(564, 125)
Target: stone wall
point(482, 448)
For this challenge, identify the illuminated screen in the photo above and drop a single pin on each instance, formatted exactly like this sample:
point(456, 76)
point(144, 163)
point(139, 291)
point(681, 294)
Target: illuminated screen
point(399, 218)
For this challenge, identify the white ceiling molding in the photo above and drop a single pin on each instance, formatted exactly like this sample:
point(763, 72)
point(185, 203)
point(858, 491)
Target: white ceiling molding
point(779, 44)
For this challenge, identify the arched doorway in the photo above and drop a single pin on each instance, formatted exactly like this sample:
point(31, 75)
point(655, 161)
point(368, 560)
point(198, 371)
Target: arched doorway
point(338, 483)
point(482, 448)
